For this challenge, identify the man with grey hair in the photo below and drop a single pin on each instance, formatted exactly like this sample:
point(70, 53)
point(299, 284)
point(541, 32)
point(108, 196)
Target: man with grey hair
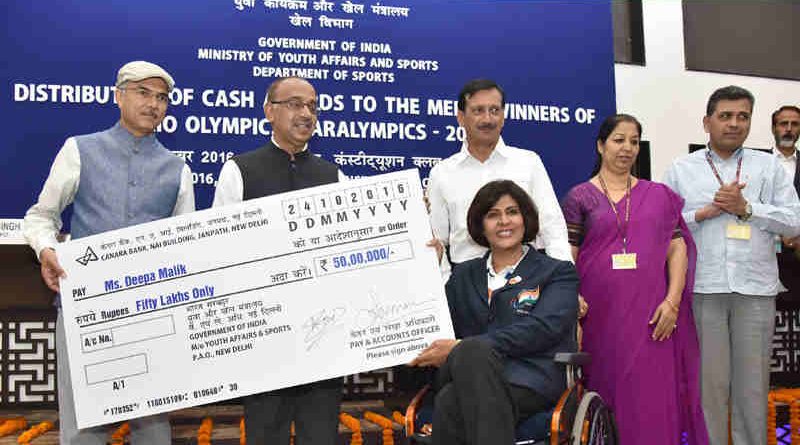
point(282, 165)
point(736, 201)
point(115, 178)
point(786, 129)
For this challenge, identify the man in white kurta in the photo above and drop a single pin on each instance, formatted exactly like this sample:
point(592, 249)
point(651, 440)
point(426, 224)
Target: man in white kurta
point(484, 157)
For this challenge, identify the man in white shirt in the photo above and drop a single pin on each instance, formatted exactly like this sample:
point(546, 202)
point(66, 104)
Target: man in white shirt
point(114, 178)
point(736, 200)
point(484, 157)
point(786, 129)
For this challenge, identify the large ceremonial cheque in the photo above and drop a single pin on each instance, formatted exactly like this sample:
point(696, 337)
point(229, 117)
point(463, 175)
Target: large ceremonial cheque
point(261, 295)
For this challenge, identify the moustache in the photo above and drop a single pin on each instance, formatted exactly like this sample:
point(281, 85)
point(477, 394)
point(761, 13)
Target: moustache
point(487, 127)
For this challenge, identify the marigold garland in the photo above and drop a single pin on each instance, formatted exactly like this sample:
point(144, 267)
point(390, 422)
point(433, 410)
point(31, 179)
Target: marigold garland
point(34, 432)
point(790, 397)
point(354, 425)
point(398, 417)
point(13, 425)
point(118, 436)
point(385, 424)
point(772, 422)
point(204, 432)
point(794, 423)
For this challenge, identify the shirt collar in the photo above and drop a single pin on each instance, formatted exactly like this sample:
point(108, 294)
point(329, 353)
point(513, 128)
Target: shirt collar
point(119, 131)
point(500, 150)
point(779, 154)
point(508, 270)
point(739, 152)
point(272, 139)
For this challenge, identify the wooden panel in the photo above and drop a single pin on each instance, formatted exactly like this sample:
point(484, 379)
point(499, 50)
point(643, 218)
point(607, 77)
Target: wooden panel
point(21, 285)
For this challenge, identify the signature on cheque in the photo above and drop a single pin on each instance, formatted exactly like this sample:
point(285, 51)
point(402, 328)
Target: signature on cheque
point(383, 311)
point(320, 323)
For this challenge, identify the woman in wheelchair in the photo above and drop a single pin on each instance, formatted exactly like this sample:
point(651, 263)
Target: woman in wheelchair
point(512, 310)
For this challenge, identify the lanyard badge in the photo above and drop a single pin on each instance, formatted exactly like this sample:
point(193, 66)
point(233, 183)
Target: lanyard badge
point(624, 260)
point(732, 230)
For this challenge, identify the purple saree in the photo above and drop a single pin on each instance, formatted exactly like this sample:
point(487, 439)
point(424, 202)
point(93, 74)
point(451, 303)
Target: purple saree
point(653, 387)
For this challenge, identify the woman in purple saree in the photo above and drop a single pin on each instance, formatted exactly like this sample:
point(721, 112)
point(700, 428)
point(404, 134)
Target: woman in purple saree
point(635, 258)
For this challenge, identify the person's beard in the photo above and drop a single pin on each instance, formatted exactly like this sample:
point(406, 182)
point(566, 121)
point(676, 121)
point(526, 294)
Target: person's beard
point(786, 141)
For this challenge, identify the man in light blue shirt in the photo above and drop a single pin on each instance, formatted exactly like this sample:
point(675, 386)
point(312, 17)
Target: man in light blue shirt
point(736, 201)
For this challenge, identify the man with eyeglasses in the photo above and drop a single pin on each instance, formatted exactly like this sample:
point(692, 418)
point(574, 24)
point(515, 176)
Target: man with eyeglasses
point(115, 178)
point(736, 200)
point(484, 157)
point(285, 164)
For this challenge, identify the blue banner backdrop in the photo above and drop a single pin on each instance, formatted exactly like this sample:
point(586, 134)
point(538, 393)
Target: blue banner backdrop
point(388, 73)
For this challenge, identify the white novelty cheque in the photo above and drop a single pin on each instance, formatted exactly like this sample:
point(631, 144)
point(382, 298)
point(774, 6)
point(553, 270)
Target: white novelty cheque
point(256, 296)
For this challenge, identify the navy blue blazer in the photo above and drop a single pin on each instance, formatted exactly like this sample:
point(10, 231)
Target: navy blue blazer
point(530, 318)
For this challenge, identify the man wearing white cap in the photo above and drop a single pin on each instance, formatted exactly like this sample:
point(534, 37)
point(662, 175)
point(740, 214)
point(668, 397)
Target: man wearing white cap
point(115, 178)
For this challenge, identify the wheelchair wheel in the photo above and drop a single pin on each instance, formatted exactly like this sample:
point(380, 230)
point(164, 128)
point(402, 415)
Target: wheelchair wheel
point(564, 415)
point(594, 423)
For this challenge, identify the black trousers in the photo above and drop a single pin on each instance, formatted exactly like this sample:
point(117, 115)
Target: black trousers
point(314, 408)
point(789, 272)
point(475, 405)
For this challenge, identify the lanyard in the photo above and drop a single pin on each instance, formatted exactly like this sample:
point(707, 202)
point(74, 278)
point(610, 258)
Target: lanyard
point(622, 230)
point(716, 172)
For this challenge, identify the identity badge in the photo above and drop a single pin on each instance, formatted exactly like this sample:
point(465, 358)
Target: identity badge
point(738, 231)
point(621, 261)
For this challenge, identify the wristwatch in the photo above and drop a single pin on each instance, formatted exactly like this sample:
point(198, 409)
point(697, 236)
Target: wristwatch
point(748, 212)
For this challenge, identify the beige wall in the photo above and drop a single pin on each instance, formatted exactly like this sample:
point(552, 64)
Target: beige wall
point(670, 101)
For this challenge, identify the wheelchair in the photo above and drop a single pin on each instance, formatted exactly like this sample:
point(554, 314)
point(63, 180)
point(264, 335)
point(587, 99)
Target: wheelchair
point(579, 418)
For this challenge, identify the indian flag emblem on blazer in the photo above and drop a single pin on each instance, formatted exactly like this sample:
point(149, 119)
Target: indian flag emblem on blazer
point(528, 296)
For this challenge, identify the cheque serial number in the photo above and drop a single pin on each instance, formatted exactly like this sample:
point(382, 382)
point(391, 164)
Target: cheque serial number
point(167, 400)
point(122, 409)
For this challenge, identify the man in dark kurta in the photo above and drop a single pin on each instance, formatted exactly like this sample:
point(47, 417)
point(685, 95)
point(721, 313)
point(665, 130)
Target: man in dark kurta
point(285, 164)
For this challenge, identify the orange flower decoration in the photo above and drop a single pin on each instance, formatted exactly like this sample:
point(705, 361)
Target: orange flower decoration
point(790, 397)
point(11, 426)
point(204, 432)
point(34, 432)
point(118, 436)
point(387, 428)
point(355, 426)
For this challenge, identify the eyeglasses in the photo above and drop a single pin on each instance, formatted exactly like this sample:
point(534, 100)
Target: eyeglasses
point(147, 94)
point(297, 105)
point(493, 111)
